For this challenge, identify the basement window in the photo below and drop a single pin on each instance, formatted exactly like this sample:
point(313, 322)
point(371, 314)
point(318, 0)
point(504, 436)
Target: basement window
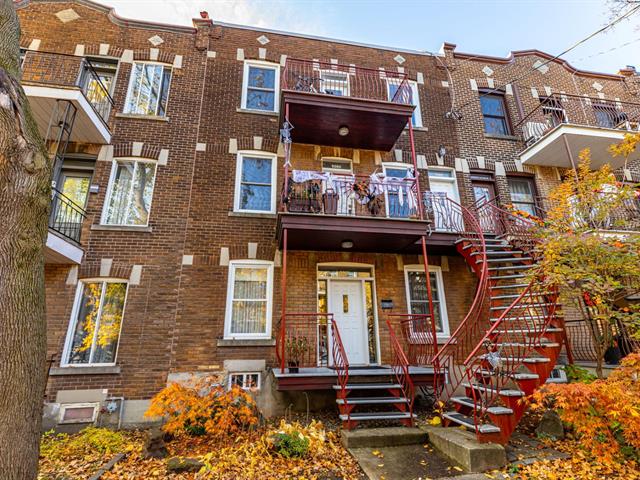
point(247, 381)
point(78, 413)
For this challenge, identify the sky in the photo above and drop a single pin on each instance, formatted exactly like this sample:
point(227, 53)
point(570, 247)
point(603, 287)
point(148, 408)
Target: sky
point(491, 27)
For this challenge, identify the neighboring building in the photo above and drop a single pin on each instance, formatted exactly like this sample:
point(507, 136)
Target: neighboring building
point(228, 198)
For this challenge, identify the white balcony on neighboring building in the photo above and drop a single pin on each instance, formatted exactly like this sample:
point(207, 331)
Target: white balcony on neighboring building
point(564, 125)
point(52, 81)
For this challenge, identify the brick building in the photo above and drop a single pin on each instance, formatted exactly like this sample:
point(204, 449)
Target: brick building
point(229, 198)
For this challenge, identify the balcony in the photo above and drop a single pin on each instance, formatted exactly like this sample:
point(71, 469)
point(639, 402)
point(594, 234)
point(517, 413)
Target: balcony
point(325, 211)
point(51, 78)
point(568, 123)
point(344, 106)
point(65, 226)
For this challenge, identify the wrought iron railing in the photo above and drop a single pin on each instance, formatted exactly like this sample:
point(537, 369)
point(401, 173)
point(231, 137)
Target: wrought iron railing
point(557, 109)
point(373, 196)
point(417, 337)
point(340, 362)
point(580, 335)
point(66, 216)
point(400, 368)
point(47, 68)
point(303, 340)
point(322, 78)
point(453, 217)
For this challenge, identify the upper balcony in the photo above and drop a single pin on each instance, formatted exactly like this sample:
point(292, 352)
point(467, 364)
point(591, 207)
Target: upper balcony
point(65, 226)
point(375, 213)
point(49, 78)
point(563, 125)
point(344, 106)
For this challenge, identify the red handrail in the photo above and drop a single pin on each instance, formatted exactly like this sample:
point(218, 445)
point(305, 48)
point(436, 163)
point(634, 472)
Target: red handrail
point(310, 336)
point(417, 333)
point(400, 367)
point(447, 362)
point(340, 360)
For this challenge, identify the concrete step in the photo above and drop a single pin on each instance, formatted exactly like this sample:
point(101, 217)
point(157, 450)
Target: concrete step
point(504, 392)
point(506, 260)
point(515, 376)
point(506, 287)
point(371, 400)
point(383, 437)
point(369, 416)
point(468, 422)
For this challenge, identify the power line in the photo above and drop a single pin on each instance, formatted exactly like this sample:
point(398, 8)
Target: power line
point(572, 47)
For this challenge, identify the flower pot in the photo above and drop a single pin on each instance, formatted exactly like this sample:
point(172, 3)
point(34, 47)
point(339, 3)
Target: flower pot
point(293, 367)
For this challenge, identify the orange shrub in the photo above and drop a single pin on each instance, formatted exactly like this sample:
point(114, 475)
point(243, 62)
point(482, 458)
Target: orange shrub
point(604, 414)
point(204, 408)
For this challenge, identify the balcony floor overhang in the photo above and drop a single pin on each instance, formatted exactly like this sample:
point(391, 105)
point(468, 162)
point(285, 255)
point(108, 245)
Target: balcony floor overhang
point(551, 151)
point(327, 232)
point(88, 126)
point(60, 251)
point(316, 118)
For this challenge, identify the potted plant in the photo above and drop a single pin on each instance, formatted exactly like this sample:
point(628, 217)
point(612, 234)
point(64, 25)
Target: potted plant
point(296, 348)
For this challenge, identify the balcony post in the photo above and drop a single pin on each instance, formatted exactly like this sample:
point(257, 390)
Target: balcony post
point(573, 163)
point(283, 286)
point(427, 276)
point(415, 169)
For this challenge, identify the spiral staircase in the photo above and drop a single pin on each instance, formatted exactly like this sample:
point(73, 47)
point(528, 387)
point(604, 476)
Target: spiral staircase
point(511, 338)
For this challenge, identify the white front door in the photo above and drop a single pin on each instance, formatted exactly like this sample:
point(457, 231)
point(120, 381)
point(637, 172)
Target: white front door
point(347, 305)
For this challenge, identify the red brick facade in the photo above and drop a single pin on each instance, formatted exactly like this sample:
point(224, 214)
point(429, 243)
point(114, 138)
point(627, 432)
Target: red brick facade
point(174, 315)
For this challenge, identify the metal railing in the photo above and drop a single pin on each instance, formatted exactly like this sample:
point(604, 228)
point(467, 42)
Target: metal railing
point(303, 340)
point(417, 337)
point(334, 79)
point(340, 362)
point(66, 216)
point(400, 368)
point(62, 70)
point(375, 196)
point(557, 109)
point(581, 341)
point(449, 359)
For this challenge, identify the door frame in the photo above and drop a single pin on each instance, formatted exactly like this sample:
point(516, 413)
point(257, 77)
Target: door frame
point(361, 280)
point(453, 180)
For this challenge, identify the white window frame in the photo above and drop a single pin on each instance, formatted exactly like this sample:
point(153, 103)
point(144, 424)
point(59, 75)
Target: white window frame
point(276, 85)
point(415, 95)
point(346, 89)
point(130, 89)
point(112, 177)
point(233, 264)
point(64, 362)
point(442, 298)
point(70, 406)
point(244, 376)
point(239, 162)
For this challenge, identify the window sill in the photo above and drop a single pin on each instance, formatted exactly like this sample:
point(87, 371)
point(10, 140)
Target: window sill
point(88, 370)
point(123, 228)
point(140, 116)
point(252, 215)
point(418, 129)
point(512, 138)
point(246, 342)
point(258, 112)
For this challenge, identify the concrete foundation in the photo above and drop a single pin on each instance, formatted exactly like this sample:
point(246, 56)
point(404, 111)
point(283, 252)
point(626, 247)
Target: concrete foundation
point(382, 437)
point(463, 449)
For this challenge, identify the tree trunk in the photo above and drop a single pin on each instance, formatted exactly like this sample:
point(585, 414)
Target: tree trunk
point(25, 188)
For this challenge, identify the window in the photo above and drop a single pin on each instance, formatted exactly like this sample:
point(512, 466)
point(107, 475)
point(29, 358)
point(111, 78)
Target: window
point(246, 381)
point(418, 299)
point(260, 86)
point(249, 299)
point(494, 112)
point(130, 192)
point(148, 89)
point(414, 99)
point(337, 165)
point(522, 194)
point(398, 203)
point(78, 413)
point(95, 324)
point(98, 83)
point(333, 82)
point(255, 180)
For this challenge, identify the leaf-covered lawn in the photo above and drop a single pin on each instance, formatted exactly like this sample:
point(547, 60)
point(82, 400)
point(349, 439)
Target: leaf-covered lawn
point(246, 456)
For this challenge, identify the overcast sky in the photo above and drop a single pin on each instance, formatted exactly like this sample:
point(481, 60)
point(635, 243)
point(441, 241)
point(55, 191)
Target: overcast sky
point(492, 27)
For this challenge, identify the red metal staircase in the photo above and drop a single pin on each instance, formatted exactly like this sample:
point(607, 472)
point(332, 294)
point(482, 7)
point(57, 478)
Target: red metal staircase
point(510, 340)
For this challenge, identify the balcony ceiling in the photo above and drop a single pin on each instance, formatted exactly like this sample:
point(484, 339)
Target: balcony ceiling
point(550, 150)
point(373, 124)
point(88, 126)
point(61, 251)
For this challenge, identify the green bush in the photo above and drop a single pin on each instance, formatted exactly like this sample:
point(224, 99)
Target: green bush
point(290, 445)
point(87, 441)
point(578, 374)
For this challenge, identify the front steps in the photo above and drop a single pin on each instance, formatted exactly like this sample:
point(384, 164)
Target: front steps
point(522, 350)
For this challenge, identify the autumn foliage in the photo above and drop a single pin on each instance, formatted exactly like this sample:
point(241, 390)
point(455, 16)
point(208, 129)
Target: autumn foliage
point(604, 415)
point(204, 407)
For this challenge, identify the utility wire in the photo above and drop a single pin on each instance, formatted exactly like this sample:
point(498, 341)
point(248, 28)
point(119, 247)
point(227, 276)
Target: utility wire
point(572, 47)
